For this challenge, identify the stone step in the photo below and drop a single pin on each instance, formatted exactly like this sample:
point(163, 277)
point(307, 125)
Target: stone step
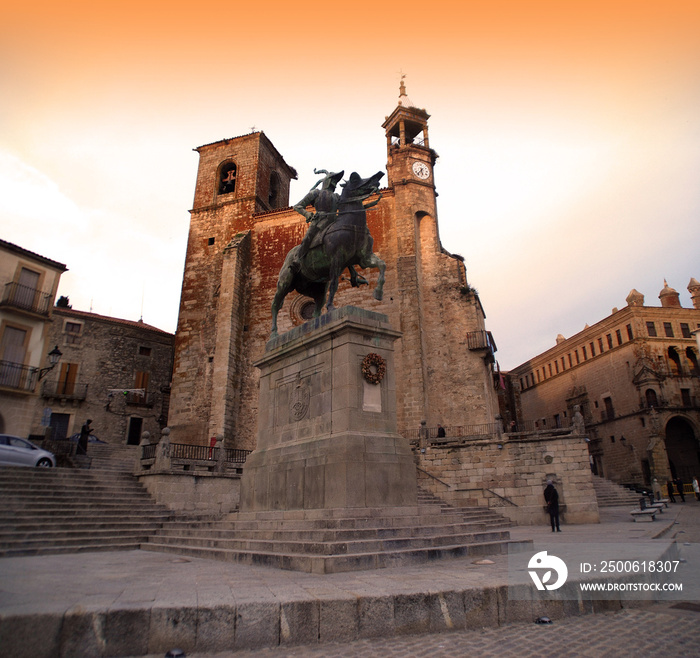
point(78, 539)
point(611, 494)
point(75, 537)
point(232, 531)
point(357, 546)
point(345, 523)
point(58, 506)
point(66, 490)
point(23, 530)
point(36, 485)
point(335, 563)
point(65, 477)
point(67, 498)
point(117, 544)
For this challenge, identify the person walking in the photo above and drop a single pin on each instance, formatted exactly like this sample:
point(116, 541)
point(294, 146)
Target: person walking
point(551, 497)
point(696, 487)
point(679, 485)
point(669, 488)
point(85, 432)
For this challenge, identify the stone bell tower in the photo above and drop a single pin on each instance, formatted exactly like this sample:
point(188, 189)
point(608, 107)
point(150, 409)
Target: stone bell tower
point(237, 179)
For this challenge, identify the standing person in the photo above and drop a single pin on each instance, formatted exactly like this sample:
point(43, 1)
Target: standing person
point(85, 432)
point(656, 488)
point(551, 497)
point(679, 485)
point(669, 488)
point(440, 431)
point(696, 487)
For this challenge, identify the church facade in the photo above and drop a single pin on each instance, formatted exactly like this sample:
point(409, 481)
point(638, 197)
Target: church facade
point(242, 228)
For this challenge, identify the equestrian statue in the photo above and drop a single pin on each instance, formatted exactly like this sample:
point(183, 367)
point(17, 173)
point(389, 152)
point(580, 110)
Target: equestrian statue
point(337, 238)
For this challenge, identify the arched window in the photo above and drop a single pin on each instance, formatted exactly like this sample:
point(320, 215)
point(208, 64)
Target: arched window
point(273, 195)
point(652, 399)
point(676, 359)
point(227, 178)
point(693, 360)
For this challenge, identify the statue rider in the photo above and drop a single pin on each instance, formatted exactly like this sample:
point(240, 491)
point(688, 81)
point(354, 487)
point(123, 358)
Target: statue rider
point(325, 204)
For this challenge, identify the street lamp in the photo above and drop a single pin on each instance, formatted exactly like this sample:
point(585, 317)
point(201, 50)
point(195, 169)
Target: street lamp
point(54, 355)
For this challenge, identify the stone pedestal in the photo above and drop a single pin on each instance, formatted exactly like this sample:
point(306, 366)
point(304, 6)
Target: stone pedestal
point(327, 437)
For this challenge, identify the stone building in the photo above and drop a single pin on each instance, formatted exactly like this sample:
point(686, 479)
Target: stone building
point(115, 372)
point(29, 284)
point(241, 229)
point(636, 379)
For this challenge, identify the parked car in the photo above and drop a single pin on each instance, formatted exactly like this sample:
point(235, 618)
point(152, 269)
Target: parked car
point(15, 451)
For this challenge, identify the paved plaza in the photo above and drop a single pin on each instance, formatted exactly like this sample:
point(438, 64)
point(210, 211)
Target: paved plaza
point(138, 603)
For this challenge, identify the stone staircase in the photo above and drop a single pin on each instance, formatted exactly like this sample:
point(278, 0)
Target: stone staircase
point(112, 457)
point(487, 517)
point(610, 494)
point(62, 510)
point(335, 540)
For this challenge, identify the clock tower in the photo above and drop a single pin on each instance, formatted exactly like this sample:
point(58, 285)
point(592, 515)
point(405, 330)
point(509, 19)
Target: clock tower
point(409, 156)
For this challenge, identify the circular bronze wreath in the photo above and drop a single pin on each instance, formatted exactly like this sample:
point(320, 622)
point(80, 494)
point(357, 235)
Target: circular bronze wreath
point(375, 360)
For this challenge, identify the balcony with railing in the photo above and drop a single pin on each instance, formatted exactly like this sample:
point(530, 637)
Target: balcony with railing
point(18, 377)
point(481, 340)
point(25, 298)
point(139, 398)
point(63, 390)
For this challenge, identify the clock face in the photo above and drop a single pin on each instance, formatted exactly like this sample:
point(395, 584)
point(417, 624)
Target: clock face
point(421, 170)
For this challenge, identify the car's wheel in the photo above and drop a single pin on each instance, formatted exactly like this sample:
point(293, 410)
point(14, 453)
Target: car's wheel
point(44, 462)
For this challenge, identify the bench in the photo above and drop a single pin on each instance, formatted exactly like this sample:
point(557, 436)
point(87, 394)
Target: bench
point(647, 514)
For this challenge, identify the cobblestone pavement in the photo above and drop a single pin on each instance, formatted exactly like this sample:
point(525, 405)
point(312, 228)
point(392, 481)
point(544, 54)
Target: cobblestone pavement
point(660, 630)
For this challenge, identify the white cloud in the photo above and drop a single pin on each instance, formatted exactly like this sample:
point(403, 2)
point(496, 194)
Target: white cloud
point(115, 263)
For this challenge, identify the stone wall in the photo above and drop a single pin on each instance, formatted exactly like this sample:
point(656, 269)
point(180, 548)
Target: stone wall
point(510, 474)
point(203, 492)
point(107, 353)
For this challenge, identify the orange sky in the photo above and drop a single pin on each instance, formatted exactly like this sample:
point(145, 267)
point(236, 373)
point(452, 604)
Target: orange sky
point(567, 133)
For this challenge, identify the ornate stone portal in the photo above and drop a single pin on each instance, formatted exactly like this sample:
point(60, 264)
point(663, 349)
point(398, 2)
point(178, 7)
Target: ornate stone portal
point(327, 420)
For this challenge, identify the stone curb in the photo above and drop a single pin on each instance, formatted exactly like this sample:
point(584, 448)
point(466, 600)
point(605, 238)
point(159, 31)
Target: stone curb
point(255, 624)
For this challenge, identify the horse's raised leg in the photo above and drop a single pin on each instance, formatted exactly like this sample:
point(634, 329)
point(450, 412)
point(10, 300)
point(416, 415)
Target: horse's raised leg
point(372, 260)
point(356, 280)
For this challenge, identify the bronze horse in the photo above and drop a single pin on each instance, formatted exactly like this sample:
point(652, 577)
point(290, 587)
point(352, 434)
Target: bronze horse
point(345, 243)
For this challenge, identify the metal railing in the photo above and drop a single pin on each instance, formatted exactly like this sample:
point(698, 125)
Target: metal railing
point(540, 425)
point(138, 399)
point(186, 451)
point(149, 451)
point(18, 376)
point(197, 453)
point(26, 298)
point(236, 455)
point(455, 432)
